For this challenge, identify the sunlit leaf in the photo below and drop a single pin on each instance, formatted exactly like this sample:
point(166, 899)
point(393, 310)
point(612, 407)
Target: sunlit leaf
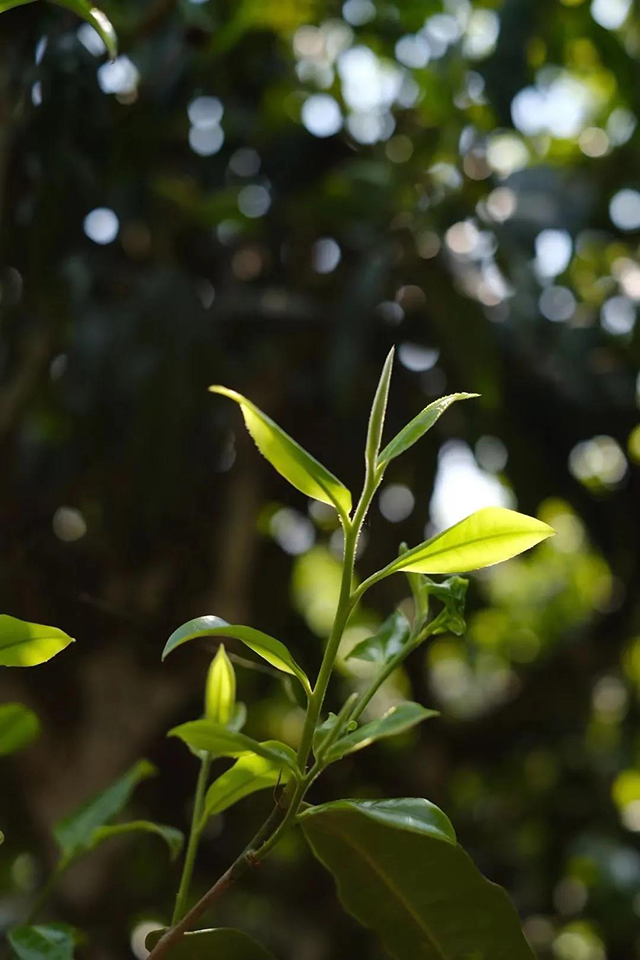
point(386, 643)
point(172, 837)
point(19, 726)
point(297, 466)
point(417, 427)
point(217, 944)
point(249, 774)
point(378, 411)
point(220, 690)
point(397, 720)
point(270, 649)
point(488, 536)
point(52, 941)
point(25, 644)
point(98, 20)
point(214, 738)
point(75, 833)
point(401, 873)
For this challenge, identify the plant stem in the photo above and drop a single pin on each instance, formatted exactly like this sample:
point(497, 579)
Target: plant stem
point(194, 840)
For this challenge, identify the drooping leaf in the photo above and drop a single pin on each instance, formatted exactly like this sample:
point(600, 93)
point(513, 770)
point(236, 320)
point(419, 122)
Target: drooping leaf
point(417, 427)
point(397, 720)
point(452, 594)
point(401, 873)
point(378, 411)
point(172, 837)
point(52, 941)
point(214, 738)
point(297, 466)
point(98, 20)
point(19, 726)
point(220, 691)
point(220, 943)
point(249, 774)
point(386, 643)
point(270, 649)
point(25, 644)
point(487, 536)
point(75, 833)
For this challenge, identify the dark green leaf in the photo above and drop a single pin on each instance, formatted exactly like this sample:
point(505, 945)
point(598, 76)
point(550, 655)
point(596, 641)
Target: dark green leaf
point(75, 833)
point(270, 649)
point(217, 944)
point(417, 427)
point(219, 740)
point(386, 643)
point(395, 721)
point(53, 941)
point(19, 726)
point(378, 411)
point(296, 465)
point(172, 837)
point(452, 593)
point(249, 774)
point(401, 874)
point(25, 644)
point(98, 20)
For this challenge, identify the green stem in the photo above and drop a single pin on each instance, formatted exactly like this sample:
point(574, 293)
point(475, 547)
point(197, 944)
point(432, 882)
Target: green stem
point(194, 840)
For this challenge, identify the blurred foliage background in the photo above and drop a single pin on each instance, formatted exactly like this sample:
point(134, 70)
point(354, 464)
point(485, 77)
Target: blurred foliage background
point(268, 194)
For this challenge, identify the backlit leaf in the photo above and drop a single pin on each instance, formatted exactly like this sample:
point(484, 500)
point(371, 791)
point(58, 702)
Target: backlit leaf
point(25, 644)
point(297, 466)
point(486, 537)
point(249, 774)
point(217, 944)
point(220, 691)
point(270, 649)
point(386, 643)
point(98, 20)
point(397, 720)
point(19, 726)
point(52, 941)
point(401, 873)
point(219, 740)
point(378, 411)
point(417, 427)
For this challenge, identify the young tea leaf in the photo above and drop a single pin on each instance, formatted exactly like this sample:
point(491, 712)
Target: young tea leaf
point(451, 593)
point(270, 649)
point(172, 837)
point(417, 427)
point(378, 411)
point(386, 643)
point(249, 774)
point(220, 691)
point(397, 720)
point(217, 944)
point(52, 941)
point(283, 453)
point(98, 20)
point(25, 644)
point(214, 738)
point(19, 726)
point(400, 873)
point(486, 537)
point(75, 833)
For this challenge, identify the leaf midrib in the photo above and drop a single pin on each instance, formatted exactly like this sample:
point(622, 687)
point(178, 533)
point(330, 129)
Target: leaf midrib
point(467, 543)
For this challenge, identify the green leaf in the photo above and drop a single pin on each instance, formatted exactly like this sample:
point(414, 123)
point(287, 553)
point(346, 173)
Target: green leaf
point(25, 644)
point(417, 427)
point(265, 646)
point(297, 466)
point(220, 943)
point(172, 837)
point(452, 594)
point(53, 941)
point(397, 720)
point(386, 643)
point(220, 693)
point(19, 726)
point(9, 4)
point(249, 774)
point(98, 20)
point(378, 411)
point(214, 738)
point(75, 833)
point(400, 872)
point(488, 536)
